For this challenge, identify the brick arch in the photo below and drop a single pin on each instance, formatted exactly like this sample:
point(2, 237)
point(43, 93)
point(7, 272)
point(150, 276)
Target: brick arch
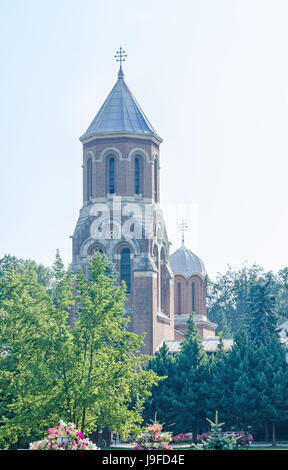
point(197, 294)
point(116, 170)
point(156, 168)
point(138, 151)
point(140, 180)
point(124, 264)
point(107, 151)
point(96, 247)
point(86, 246)
point(90, 154)
point(123, 244)
point(180, 294)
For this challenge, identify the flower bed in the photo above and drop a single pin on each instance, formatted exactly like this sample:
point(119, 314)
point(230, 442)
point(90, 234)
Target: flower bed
point(183, 437)
point(153, 438)
point(64, 437)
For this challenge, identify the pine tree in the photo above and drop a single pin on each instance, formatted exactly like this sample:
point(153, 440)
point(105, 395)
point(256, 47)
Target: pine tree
point(224, 372)
point(160, 402)
point(191, 383)
point(261, 320)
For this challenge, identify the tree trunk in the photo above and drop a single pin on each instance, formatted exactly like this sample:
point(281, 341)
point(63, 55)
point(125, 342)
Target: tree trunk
point(273, 434)
point(266, 432)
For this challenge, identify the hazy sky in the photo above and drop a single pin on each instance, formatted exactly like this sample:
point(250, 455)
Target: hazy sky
point(212, 77)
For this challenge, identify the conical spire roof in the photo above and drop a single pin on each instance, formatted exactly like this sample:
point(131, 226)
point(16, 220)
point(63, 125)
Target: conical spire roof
point(120, 113)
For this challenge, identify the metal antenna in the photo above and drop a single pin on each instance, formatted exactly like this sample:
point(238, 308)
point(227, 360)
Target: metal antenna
point(120, 57)
point(183, 227)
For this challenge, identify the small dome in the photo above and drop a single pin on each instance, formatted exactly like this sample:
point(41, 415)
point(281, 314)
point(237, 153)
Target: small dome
point(183, 261)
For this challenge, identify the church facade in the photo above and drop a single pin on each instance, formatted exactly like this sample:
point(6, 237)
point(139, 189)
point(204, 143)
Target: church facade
point(121, 217)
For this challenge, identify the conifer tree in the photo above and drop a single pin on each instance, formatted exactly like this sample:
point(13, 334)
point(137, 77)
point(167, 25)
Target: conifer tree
point(160, 402)
point(262, 320)
point(191, 383)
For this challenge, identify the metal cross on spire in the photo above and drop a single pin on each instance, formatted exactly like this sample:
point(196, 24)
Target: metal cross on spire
point(120, 57)
point(183, 227)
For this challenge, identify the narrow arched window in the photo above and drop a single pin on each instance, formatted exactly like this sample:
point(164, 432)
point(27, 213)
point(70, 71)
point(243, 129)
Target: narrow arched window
point(125, 269)
point(137, 170)
point(179, 298)
point(156, 257)
point(89, 178)
point(162, 282)
point(155, 180)
point(193, 297)
point(111, 175)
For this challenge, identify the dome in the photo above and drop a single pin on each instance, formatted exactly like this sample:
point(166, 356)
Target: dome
point(183, 261)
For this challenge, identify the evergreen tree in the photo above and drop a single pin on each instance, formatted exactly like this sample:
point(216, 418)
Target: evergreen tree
point(276, 390)
point(191, 383)
point(224, 372)
point(160, 402)
point(261, 319)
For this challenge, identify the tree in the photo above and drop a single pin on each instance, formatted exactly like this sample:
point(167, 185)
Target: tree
point(261, 318)
point(191, 383)
point(160, 402)
point(42, 274)
point(216, 440)
point(224, 372)
point(91, 374)
point(228, 296)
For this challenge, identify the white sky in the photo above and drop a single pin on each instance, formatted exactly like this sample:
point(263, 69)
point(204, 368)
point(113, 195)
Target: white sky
point(212, 77)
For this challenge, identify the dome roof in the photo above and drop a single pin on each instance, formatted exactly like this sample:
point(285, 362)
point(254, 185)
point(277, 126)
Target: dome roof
point(183, 261)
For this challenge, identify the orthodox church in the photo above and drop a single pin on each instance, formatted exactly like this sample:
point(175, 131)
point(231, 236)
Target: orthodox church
point(122, 218)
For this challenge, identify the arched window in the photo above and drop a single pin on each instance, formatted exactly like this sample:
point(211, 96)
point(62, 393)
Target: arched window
point(179, 298)
point(156, 257)
point(137, 174)
point(155, 180)
point(162, 282)
point(89, 178)
point(193, 297)
point(125, 269)
point(111, 175)
point(93, 248)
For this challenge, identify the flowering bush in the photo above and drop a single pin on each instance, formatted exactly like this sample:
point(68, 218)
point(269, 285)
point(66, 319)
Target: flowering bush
point(183, 437)
point(153, 438)
point(64, 437)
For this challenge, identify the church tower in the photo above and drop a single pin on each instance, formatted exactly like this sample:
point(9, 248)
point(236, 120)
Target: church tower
point(121, 215)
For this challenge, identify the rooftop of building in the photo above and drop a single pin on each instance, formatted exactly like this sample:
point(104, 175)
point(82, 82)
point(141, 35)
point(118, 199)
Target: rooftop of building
point(120, 113)
point(184, 262)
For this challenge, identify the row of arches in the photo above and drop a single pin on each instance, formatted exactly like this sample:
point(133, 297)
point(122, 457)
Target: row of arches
point(189, 295)
point(111, 176)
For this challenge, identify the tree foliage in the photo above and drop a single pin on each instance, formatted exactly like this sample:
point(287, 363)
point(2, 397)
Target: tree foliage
point(229, 296)
point(65, 353)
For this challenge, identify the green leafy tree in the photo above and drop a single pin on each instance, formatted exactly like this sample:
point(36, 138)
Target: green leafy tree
point(92, 373)
point(228, 297)
point(43, 274)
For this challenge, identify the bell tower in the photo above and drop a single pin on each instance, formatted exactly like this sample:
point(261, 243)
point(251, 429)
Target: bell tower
point(121, 216)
